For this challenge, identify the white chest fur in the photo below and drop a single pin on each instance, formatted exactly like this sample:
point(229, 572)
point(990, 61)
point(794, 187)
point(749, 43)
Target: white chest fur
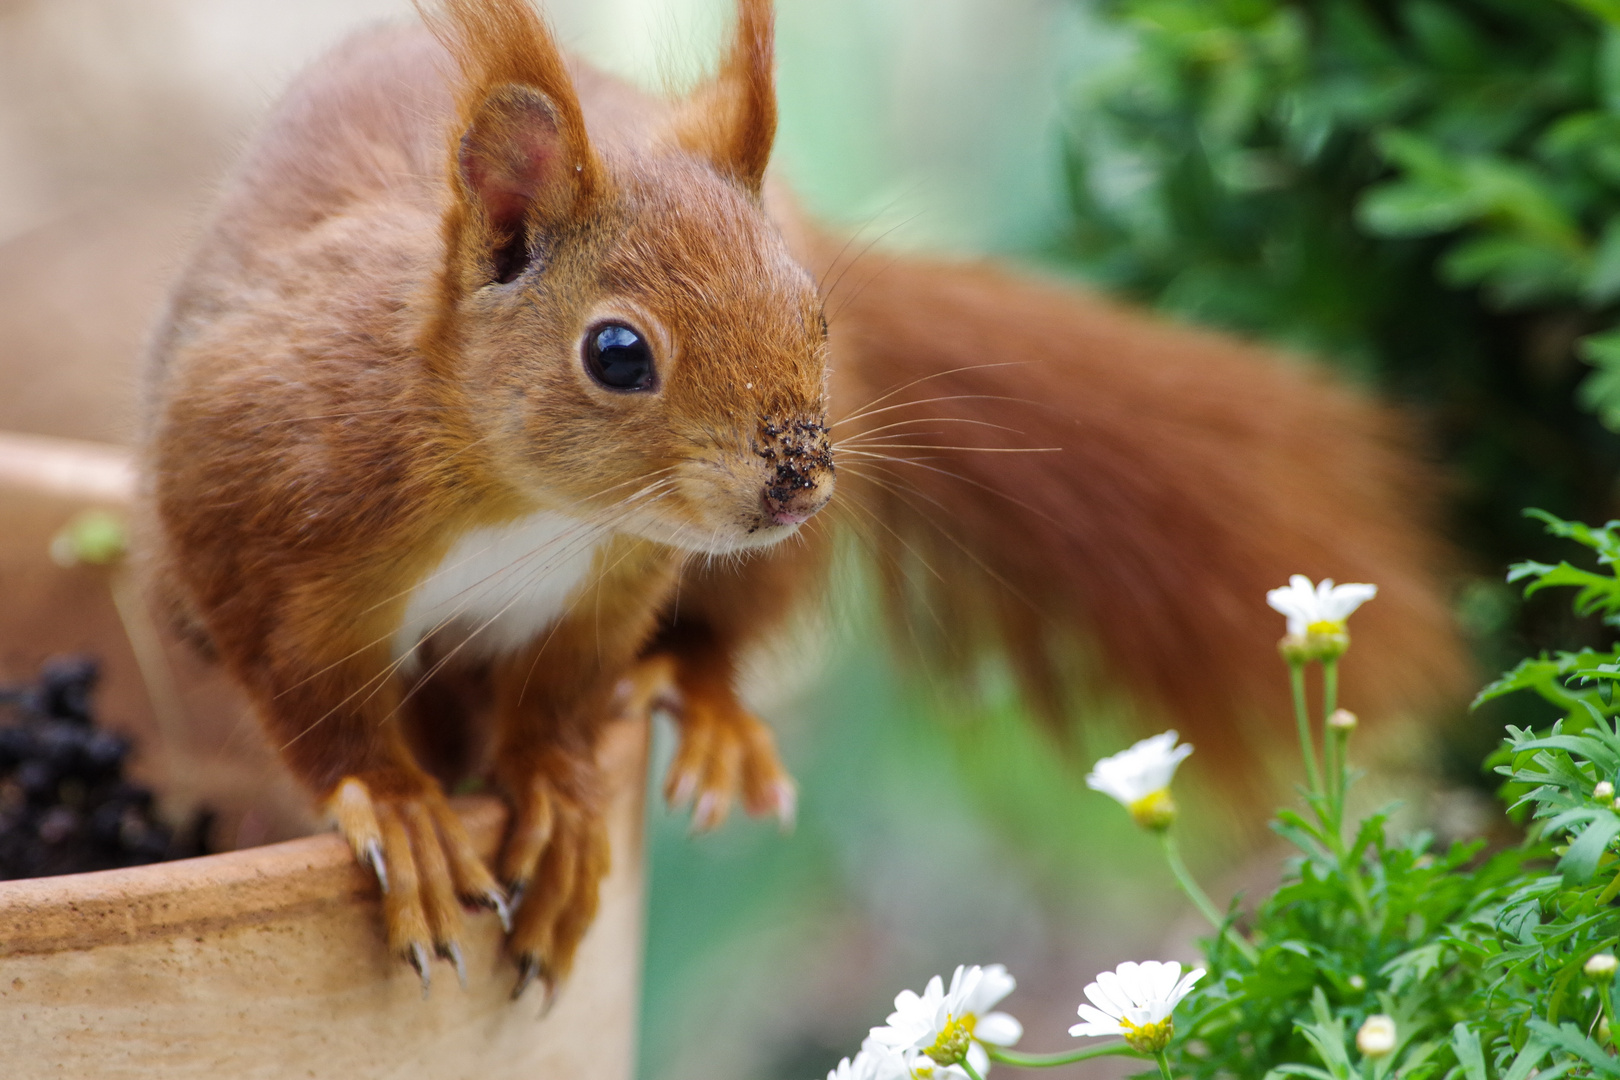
point(502, 586)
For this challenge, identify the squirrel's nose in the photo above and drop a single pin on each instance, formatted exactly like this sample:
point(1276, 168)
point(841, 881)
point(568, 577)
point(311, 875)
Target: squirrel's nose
point(790, 505)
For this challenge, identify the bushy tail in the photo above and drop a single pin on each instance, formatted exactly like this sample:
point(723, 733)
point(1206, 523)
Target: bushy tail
point(1051, 476)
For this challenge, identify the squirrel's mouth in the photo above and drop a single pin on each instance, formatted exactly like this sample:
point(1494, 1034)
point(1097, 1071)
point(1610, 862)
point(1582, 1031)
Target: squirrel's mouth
point(729, 503)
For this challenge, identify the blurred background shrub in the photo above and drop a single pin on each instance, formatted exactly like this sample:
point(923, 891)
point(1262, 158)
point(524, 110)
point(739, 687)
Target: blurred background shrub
point(1421, 191)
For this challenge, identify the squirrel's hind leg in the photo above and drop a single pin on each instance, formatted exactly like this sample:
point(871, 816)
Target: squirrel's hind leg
point(725, 751)
point(722, 610)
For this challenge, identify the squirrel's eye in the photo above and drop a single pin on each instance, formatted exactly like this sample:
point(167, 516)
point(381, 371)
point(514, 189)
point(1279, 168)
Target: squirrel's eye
point(619, 358)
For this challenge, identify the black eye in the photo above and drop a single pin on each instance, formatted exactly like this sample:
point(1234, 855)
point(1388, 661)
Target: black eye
point(619, 358)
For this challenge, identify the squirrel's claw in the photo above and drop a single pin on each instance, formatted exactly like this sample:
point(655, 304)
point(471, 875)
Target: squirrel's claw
point(680, 788)
point(529, 969)
point(497, 902)
point(784, 799)
point(452, 953)
point(373, 856)
point(417, 957)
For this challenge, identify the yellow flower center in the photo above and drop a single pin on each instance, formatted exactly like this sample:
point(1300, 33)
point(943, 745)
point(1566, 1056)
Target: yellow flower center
point(1156, 810)
point(954, 1039)
point(1324, 639)
point(1148, 1038)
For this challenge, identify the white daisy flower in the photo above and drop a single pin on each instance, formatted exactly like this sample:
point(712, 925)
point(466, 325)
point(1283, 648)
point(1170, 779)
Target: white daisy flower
point(1139, 778)
point(943, 1025)
point(1136, 1000)
point(872, 1063)
point(859, 1069)
point(917, 1065)
point(1318, 609)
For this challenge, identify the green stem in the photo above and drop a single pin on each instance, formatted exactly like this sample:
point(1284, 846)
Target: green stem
point(1302, 719)
point(1046, 1061)
point(1333, 745)
point(967, 1067)
point(1164, 1065)
point(1201, 900)
point(1340, 741)
point(1350, 867)
point(1609, 892)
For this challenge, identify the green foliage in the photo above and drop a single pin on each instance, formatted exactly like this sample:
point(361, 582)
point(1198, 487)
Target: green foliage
point(1479, 959)
point(1426, 191)
point(1399, 934)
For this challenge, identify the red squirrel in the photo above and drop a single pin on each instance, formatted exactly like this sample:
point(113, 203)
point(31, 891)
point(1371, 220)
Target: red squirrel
point(495, 387)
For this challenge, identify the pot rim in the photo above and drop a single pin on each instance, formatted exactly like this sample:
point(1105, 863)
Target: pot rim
point(201, 895)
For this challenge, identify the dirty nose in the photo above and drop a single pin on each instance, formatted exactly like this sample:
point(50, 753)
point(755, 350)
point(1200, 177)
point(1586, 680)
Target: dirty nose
point(790, 507)
point(800, 480)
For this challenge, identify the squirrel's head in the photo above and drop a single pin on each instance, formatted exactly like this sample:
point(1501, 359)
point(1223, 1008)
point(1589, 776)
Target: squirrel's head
point(628, 330)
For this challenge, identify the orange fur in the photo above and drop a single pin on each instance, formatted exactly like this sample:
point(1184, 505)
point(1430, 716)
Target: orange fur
point(377, 370)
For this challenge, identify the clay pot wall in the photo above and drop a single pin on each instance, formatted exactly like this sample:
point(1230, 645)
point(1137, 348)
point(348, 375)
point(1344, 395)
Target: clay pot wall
point(266, 961)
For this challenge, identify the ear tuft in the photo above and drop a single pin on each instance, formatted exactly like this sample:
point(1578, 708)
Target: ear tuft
point(731, 119)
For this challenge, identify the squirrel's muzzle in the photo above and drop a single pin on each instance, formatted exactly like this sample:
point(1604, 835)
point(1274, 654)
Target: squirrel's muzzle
point(797, 506)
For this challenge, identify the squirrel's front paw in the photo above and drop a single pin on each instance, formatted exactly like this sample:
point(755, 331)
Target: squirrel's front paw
point(403, 828)
point(725, 750)
point(553, 862)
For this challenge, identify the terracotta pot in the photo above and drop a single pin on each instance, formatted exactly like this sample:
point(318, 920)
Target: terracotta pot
point(267, 961)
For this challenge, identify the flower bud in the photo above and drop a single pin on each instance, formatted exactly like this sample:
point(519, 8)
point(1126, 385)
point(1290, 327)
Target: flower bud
point(1377, 1036)
point(1600, 966)
point(1295, 649)
point(1604, 790)
point(1357, 982)
point(1327, 641)
point(1343, 720)
point(1155, 811)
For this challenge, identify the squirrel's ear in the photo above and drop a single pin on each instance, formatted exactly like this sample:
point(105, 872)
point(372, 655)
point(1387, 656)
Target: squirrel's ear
point(731, 119)
point(517, 155)
point(523, 150)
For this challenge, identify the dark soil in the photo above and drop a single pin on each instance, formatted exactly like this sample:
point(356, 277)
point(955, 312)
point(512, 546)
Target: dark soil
point(65, 806)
